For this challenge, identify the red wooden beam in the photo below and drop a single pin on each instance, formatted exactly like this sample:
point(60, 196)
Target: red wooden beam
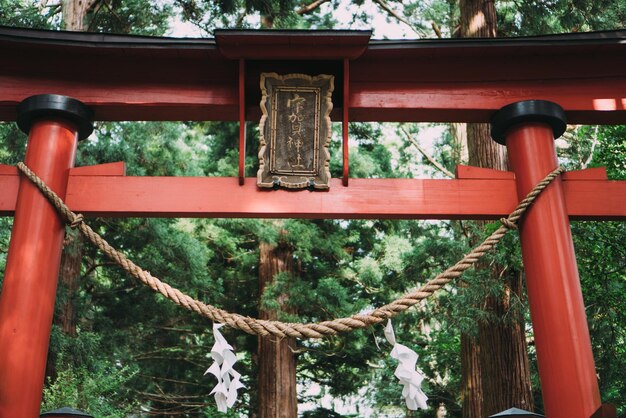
point(596, 101)
point(9, 185)
point(345, 120)
point(107, 169)
point(129, 100)
point(135, 78)
point(119, 196)
point(292, 45)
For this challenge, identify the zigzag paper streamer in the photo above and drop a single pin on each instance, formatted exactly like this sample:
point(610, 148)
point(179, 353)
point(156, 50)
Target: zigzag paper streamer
point(406, 372)
point(228, 380)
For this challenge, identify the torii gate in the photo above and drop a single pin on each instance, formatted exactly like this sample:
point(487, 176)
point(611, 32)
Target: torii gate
point(522, 85)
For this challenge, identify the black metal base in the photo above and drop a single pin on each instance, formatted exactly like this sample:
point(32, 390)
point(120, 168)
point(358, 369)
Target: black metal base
point(44, 106)
point(527, 111)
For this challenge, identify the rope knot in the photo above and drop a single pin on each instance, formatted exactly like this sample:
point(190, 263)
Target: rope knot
point(508, 223)
point(77, 220)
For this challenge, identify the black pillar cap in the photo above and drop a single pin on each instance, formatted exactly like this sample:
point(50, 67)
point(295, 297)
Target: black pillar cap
point(527, 111)
point(65, 412)
point(43, 106)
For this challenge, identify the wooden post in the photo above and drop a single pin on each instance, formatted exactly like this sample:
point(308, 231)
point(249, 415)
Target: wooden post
point(566, 368)
point(54, 124)
point(242, 121)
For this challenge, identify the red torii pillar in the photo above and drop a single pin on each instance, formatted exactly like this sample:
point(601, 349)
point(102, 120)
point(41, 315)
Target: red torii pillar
point(566, 368)
point(54, 124)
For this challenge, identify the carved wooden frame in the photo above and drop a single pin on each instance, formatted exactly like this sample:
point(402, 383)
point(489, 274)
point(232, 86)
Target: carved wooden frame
point(272, 163)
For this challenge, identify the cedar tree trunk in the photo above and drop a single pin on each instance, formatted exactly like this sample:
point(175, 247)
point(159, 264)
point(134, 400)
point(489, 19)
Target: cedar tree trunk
point(73, 14)
point(277, 364)
point(504, 370)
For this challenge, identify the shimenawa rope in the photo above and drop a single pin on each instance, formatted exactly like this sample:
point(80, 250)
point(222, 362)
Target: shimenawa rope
point(278, 328)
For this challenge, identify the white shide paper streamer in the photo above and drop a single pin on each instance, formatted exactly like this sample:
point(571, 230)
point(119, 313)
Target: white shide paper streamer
point(228, 380)
point(406, 372)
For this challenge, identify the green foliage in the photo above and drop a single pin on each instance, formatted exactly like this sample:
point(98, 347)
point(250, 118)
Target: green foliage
point(28, 14)
point(137, 17)
point(86, 381)
point(532, 17)
point(611, 152)
point(136, 351)
point(13, 144)
point(601, 259)
point(97, 392)
point(321, 413)
point(208, 15)
point(602, 264)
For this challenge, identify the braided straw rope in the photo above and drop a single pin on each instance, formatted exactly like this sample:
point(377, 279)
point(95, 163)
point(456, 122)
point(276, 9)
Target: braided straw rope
point(282, 329)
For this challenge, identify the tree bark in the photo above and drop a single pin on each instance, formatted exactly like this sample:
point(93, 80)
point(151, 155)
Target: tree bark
point(471, 384)
point(459, 133)
point(478, 18)
point(277, 364)
point(69, 272)
point(501, 345)
point(504, 358)
point(71, 261)
point(74, 13)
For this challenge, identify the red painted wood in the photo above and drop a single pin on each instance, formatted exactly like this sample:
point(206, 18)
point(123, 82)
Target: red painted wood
point(595, 173)
point(242, 121)
point(130, 100)
point(409, 60)
point(404, 82)
point(568, 378)
point(32, 267)
point(345, 121)
point(596, 199)
point(365, 198)
point(9, 186)
point(8, 170)
point(277, 45)
point(107, 169)
point(470, 172)
point(597, 100)
point(586, 101)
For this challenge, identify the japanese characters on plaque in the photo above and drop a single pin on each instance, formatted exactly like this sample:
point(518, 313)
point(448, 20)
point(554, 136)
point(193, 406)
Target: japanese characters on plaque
point(295, 131)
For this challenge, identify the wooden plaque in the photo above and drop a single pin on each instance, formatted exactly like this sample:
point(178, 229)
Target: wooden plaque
point(295, 131)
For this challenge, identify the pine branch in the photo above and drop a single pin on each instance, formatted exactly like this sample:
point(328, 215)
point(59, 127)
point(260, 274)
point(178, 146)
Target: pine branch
point(429, 157)
point(183, 382)
point(95, 8)
point(594, 143)
point(437, 30)
point(311, 7)
point(93, 267)
point(397, 16)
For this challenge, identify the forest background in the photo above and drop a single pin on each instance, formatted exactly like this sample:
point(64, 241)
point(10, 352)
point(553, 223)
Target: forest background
point(118, 350)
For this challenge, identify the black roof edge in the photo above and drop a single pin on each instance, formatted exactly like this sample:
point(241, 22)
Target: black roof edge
point(88, 39)
point(93, 39)
point(295, 32)
point(577, 38)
